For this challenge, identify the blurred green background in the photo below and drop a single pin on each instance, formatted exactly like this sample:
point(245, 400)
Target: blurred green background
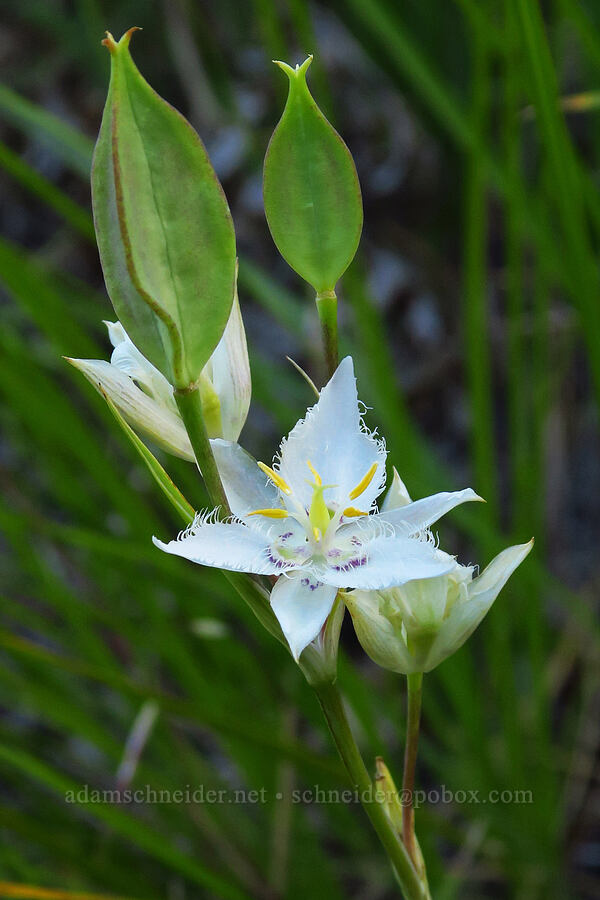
point(473, 312)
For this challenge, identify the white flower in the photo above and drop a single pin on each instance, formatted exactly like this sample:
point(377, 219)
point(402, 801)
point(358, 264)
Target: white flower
point(145, 398)
point(311, 518)
point(415, 626)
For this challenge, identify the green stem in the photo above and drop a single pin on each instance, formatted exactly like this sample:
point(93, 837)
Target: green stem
point(333, 710)
point(189, 403)
point(253, 593)
point(414, 689)
point(327, 309)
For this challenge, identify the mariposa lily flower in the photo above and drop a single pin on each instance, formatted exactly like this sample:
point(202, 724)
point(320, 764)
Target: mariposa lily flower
point(311, 517)
point(413, 627)
point(145, 398)
point(416, 626)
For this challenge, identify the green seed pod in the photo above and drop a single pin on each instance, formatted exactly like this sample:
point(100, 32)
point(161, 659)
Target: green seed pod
point(163, 226)
point(311, 191)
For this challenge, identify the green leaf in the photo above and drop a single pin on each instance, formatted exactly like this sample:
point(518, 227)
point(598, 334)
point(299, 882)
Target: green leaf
point(163, 226)
point(311, 191)
point(64, 141)
point(46, 191)
point(158, 846)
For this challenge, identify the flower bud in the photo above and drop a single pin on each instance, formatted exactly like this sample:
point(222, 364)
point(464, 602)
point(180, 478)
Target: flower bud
point(413, 628)
point(387, 794)
point(145, 398)
point(397, 495)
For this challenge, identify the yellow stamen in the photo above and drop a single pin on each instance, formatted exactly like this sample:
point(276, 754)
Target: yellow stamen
point(364, 483)
point(353, 512)
point(317, 533)
point(270, 513)
point(317, 477)
point(275, 478)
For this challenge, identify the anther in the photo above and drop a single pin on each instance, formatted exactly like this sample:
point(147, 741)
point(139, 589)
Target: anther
point(352, 512)
point(275, 477)
point(270, 513)
point(364, 483)
point(317, 477)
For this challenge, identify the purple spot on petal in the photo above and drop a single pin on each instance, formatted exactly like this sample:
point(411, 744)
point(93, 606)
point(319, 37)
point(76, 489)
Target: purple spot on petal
point(284, 537)
point(354, 563)
point(304, 582)
point(276, 561)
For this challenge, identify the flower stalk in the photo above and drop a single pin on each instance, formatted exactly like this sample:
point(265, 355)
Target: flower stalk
point(189, 403)
point(414, 691)
point(333, 710)
point(327, 310)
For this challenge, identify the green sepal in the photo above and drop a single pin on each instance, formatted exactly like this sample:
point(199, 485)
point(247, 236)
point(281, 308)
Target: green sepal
point(311, 191)
point(163, 226)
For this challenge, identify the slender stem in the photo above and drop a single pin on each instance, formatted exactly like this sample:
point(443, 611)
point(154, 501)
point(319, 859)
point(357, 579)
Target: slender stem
point(190, 406)
point(333, 709)
point(331, 703)
point(327, 309)
point(414, 688)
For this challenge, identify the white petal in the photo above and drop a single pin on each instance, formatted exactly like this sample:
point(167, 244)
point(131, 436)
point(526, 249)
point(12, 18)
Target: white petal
point(397, 494)
point(301, 604)
point(335, 440)
point(162, 426)
point(127, 358)
point(421, 514)
point(230, 374)
point(224, 545)
point(380, 560)
point(378, 638)
point(246, 486)
point(482, 591)
point(116, 333)
point(494, 577)
point(421, 603)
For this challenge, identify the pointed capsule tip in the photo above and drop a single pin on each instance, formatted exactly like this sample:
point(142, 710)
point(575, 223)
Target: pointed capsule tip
point(284, 67)
point(109, 42)
point(112, 45)
point(306, 64)
point(298, 70)
point(128, 34)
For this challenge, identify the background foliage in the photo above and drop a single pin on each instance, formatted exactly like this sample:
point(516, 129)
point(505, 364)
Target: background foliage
point(473, 312)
